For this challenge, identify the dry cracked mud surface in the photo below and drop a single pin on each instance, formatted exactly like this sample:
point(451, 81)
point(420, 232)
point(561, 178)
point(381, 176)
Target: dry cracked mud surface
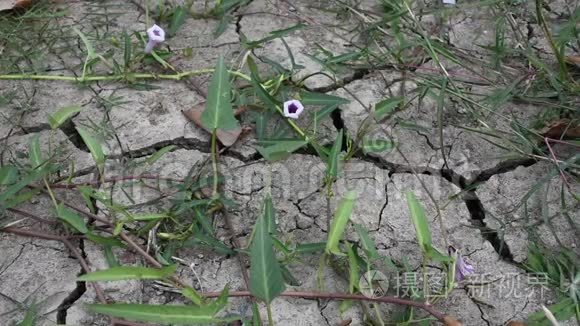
point(470, 186)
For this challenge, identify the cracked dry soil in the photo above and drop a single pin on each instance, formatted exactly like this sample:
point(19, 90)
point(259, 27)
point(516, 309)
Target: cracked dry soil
point(483, 220)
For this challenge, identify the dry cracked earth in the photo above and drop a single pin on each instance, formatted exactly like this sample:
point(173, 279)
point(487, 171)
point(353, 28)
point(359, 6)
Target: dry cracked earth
point(486, 222)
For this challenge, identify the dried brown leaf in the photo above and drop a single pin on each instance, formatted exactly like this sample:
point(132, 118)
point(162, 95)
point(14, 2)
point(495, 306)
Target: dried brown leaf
point(226, 137)
point(573, 59)
point(561, 129)
point(450, 321)
point(14, 4)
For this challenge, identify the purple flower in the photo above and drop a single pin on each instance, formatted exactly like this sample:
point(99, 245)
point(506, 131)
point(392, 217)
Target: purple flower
point(293, 109)
point(462, 268)
point(156, 35)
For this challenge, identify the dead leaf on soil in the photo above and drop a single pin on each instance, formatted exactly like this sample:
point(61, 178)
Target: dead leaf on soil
point(561, 129)
point(573, 59)
point(450, 321)
point(226, 137)
point(14, 4)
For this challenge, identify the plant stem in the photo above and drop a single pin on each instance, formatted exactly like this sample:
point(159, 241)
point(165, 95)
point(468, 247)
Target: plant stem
point(341, 296)
point(214, 162)
point(269, 309)
point(134, 76)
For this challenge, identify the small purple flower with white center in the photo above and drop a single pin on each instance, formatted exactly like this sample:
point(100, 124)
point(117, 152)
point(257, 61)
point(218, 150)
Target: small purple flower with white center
point(462, 267)
point(293, 109)
point(156, 35)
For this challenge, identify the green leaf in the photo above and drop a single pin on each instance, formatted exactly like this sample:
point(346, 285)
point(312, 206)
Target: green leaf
point(94, 147)
point(308, 248)
point(129, 273)
point(13, 189)
point(192, 295)
point(149, 217)
point(311, 98)
point(377, 145)
point(353, 269)
point(88, 45)
point(62, 115)
point(274, 35)
point(158, 154)
point(339, 222)
point(367, 243)
point(562, 311)
point(8, 174)
point(270, 215)
point(261, 92)
point(288, 277)
point(333, 158)
point(222, 26)
point(110, 256)
point(218, 113)
point(266, 280)
point(72, 218)
point(127, 51)
point(420, 222)
point(177, 20)
point(164, 314)
point(387, 107)
point(34, 152)
point(105, 241)
point(281, 149)
point(222, 300)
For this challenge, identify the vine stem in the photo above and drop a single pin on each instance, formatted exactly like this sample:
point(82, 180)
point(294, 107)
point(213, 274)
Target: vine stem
point(343, 296)
point(176, 76)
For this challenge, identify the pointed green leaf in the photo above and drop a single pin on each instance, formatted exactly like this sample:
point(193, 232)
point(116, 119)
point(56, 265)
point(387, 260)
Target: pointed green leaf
point(157, 155)
point(260, 91)
point(127, 55)
point(164, 314)
point(420, 222)
point(149, 217)
point(62, 115)
point(218, 113)
point(177, 19)
point(88, 45)
point(110, 256)
point(367, 243)
point(129, 273)
point(281, 149)
point(377, 145)
point(270, 215)
point(72, 218)
point(339, 222)
point(94, 147)
point(333, 158)
point(353, 269)
point(34, 152)
point(8, 174)
point(192, 295)
point(387, 107)
point(311, 98)
point(266, 280)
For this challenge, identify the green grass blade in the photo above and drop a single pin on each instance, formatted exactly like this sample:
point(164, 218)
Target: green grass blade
point(94, 147)
point(420, 222)
point(34, 152)
point(339, 222)
point(266, 280)
point(386, 108)
point(129, 273)
point(333, 158)
point(311, 98)
point(72, 218)
point(218, 113)
point(163, 314)
point(281, 149)
point(62, 115)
